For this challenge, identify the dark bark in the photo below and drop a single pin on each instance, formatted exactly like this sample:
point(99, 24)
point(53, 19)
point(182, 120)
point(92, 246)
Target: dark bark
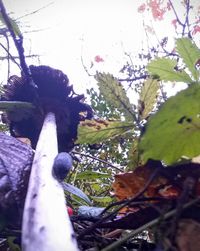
point(15, 165)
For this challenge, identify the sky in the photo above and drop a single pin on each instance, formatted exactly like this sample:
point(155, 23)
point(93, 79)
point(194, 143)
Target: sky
point(75, 29)
point(68, 34)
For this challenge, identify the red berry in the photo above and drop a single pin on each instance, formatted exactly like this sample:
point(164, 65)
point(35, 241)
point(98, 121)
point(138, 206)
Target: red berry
point(70, 211)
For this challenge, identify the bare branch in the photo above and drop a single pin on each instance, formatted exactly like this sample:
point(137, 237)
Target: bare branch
point(187, 23)
point(18, 41)
point(9, 55)
point(35, 11)
point(152, 223)
point(8, 48)
point(100, 160)
point(133, 79)
point(177, 18)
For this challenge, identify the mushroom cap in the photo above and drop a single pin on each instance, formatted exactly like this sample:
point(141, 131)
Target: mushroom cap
point(49, 91)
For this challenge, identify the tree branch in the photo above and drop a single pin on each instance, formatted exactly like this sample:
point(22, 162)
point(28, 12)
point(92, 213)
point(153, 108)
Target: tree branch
point(18, 41)
point(100, 160)
point(118, 243)
point(177, 18)
point(9, 55)
point(133, 79)
point(187, 18)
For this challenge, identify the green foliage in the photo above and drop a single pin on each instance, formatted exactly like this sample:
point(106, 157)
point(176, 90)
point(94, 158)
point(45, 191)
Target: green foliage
point(12, 105)
point(134, 156)
point(104, 200)
point(190, 54)
point(95, 131)
point(76, 191)
point(12, 245)
point(91, 175)
point(111, 150)
point(101, 108)
point(165, 69)
point(14, 25)
point(148, 96)
point(3, 127)
point(174, 131)
point(17, 109)
point(115, 95)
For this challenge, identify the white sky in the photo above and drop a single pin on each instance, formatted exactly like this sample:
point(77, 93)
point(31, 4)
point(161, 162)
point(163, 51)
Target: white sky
point(76, 27)
point(71, 28)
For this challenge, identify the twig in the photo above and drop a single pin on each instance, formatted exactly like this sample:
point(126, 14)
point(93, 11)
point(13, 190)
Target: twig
point(18, 41)
point(35, 11)
point(8, 49)
point(167, 53)
point(136, 201)
point(33, 31)
point(16, 57)
point(85, 68)
point(98, 159)
point(188, 187)
point(9, 55)
point(96, 224)
point(175, 13)
point(129, 201)
point(118, 243)
point(133, 79)
point(187, 18)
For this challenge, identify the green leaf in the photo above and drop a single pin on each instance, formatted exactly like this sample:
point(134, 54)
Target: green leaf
point(3, 127)
point(190, 54)
point(14, 25)
point(165, 69)
point(12, 105)
point(95, 131)
point(102, 200)
point(148, 96)
point(17, 109)
point(76, 191)
point(174, 131)
point(114, 94)
point(90, 175)
point(12, 245)
point(134, 158)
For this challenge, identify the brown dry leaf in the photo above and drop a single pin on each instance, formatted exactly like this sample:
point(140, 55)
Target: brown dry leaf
point(188, 235)
point(127, 185)
point(169, 192)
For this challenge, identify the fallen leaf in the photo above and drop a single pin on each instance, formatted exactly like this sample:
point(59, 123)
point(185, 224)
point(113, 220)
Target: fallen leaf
point(127, 185)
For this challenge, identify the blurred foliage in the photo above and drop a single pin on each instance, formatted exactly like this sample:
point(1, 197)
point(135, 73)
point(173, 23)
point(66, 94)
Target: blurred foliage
point(177, 121)
point(98, 159)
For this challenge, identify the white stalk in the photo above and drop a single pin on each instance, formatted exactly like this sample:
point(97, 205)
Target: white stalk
point(46, 225)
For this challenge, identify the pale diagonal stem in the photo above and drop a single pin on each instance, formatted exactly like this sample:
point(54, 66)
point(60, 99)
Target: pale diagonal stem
point(46, 224)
